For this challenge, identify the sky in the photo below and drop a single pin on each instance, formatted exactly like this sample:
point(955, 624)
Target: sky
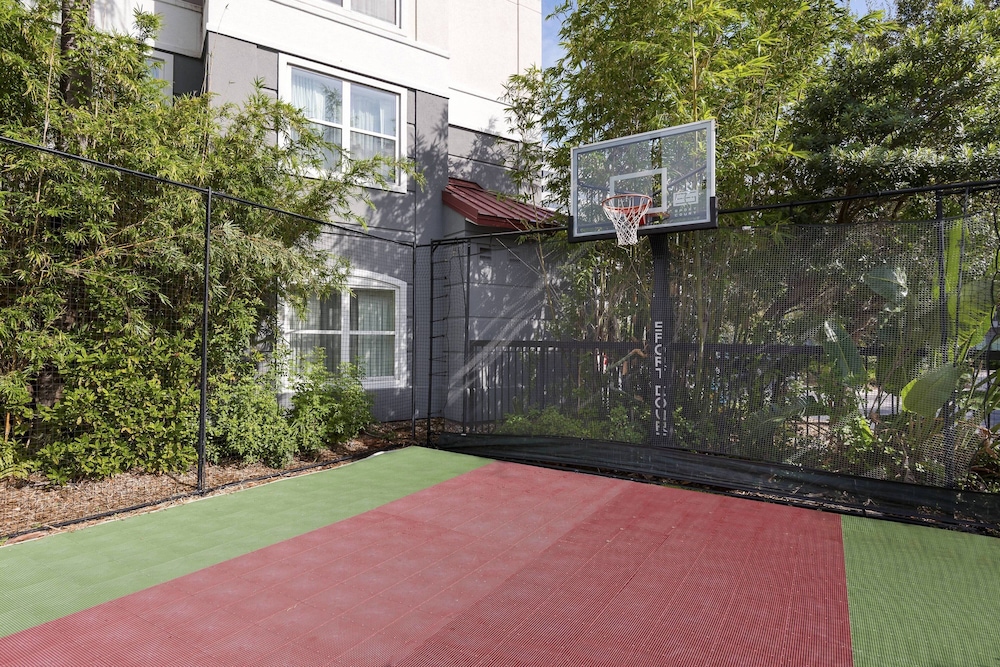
point(550, 35)
point(550, 28)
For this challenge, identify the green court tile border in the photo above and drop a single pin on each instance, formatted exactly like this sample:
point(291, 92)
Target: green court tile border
point(921, 596)
point(64, 573)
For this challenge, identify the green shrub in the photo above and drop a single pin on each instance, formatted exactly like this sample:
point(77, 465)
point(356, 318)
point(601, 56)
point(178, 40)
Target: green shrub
point(125, 404)
point(328, 408)
point(246, 424)
point(11, 464)
point(617, 425)
point(14, 411)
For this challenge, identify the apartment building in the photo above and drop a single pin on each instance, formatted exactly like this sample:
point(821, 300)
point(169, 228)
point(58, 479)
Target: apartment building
point(420, 79)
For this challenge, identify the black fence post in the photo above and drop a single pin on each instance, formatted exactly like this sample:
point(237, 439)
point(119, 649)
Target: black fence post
point(203, 410)
point(430, 345)
point(466, 372)
point(411, 346)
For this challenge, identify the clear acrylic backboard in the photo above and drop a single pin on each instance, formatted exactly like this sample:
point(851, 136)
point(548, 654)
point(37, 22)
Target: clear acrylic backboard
point(674, 166)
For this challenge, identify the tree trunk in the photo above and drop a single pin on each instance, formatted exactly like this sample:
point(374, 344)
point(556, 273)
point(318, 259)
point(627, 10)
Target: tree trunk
point(74, 83)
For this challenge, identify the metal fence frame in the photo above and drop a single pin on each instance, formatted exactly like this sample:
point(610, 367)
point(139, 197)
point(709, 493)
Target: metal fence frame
point(521, 366)
point(477, 402)
point(210, 197)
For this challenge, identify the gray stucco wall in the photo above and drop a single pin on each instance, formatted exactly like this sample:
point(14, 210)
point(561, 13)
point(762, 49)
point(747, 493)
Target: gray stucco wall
point(489, 290)
point(412, 216)
point(234, 65)
point(431, 153)
point(480, 157)
point(189, 75)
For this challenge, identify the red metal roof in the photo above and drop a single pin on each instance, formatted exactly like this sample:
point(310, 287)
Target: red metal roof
point(489, 209)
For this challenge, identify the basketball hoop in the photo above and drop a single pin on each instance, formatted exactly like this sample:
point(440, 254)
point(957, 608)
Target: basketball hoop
point(627, 212)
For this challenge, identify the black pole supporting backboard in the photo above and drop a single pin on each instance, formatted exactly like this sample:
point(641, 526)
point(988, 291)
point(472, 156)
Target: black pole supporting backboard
point(662, 313)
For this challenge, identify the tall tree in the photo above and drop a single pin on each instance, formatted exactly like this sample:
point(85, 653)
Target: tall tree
point(73, 15)
point(637, 65)
point(914, 103)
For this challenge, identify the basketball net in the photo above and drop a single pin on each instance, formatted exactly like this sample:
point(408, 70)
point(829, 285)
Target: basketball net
point(627, 212)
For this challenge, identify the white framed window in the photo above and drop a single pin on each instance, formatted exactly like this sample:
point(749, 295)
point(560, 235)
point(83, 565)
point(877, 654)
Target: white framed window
point(364, 326)
point(383, 10)
point(362, 118)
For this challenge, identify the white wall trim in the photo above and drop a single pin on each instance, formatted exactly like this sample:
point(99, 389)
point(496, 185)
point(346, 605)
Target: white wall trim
point(194, 7)
point(354, 20)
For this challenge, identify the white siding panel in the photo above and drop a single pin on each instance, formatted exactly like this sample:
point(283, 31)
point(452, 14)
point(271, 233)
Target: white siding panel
point(296, 27)
point(181, 28)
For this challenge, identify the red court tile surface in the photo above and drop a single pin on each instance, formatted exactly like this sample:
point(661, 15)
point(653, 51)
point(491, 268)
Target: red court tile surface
point(504, 565)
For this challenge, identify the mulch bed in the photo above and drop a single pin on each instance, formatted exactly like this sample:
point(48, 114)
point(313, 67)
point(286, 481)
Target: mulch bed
point(34, 507)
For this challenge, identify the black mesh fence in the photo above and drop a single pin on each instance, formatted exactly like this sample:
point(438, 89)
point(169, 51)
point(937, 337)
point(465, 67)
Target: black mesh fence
point(103, 401)
point(842, 353)
point(788, 353)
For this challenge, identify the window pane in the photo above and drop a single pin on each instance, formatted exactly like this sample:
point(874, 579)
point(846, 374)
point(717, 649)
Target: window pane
point(156, 68)
point(321, 314)
point(330, 156)
point(375, 354)
point(319, 97)
point(380, 9)
point(304, 346)
point(373, 310)
point(331, 135)
point(365, 146)
point(373, 110)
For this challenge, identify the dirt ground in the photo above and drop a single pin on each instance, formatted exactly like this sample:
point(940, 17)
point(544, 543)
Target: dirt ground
point(34, 507)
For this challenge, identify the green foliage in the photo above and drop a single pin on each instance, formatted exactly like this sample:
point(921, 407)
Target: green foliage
point(246, 423)
point(889, 282)
point(637, 65)
point(13, 397)
point(911, 102)
point(617, 425)
point(328, 408)
point(122, 406)
point(843, 352)
point(101, 272)
point(928, 393)
point(985, 465)
point(10, 465)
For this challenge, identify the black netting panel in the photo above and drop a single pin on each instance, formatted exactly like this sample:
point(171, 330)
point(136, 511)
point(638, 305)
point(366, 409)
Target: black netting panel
point(102, 304)
point(101, 293)
point(797, 348)
point(854, 351)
